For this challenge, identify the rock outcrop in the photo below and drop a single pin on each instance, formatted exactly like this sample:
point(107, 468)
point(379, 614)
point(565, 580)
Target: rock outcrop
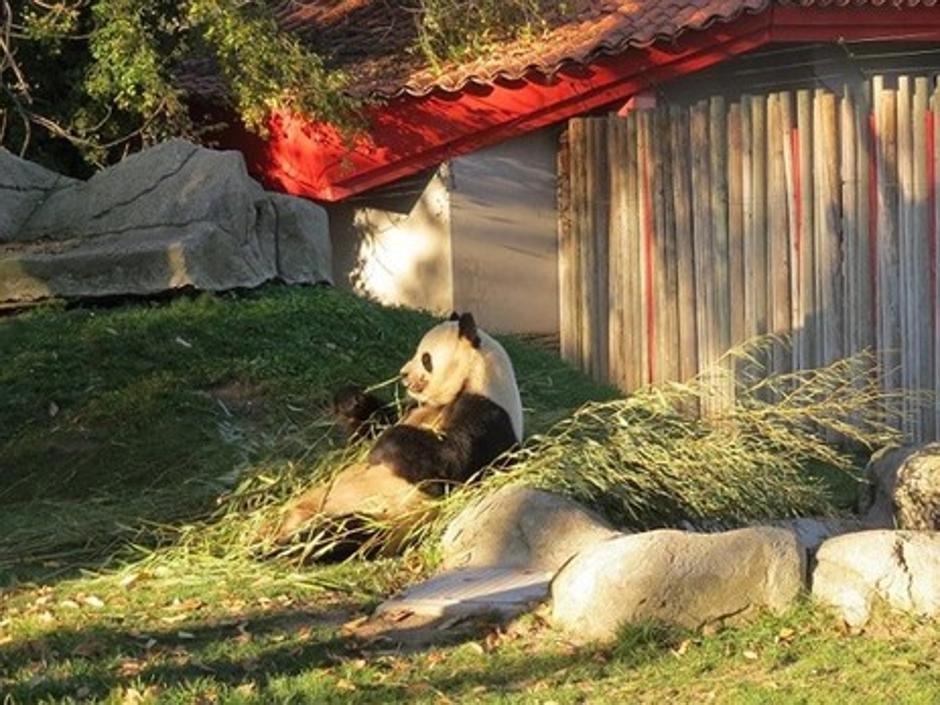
point(173, 216)
point(676, 577)
point(900, 569)
point(521, 527)
point(904, 488)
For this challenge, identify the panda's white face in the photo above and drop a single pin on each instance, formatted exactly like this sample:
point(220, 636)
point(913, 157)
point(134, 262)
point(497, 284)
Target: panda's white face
point(441, 364)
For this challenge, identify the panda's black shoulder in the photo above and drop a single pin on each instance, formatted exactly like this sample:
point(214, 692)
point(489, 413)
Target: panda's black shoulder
point(474, 430)
point(481, 417)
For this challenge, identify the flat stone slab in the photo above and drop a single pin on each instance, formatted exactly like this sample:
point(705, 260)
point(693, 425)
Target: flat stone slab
point(471, 592)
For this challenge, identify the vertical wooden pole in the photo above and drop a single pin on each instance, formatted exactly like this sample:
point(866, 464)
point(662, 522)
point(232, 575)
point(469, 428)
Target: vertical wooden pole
point(829, 246)
point(702, 239)
point(574, 268)
point(755, 257)
point(778, 248)
point(889, 332)
point(647, 324)
point(736, 222)
point(587, 247)
point(685, 258)
point(865, 233)
point(563, 208)
point(791, 180)
point(635, 342)
point(669, 264)
point(721, 287)
point(601, 247)
point(850, 236)
point(920, 258)
point(616, 155)
point(933, 197)
point(910, 349)
point(807, 218)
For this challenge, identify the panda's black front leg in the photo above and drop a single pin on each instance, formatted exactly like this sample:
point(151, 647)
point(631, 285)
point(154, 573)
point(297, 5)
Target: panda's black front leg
point(359, 413)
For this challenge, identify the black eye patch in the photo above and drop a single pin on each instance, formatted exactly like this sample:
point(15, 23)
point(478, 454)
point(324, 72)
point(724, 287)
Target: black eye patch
point(426, 361)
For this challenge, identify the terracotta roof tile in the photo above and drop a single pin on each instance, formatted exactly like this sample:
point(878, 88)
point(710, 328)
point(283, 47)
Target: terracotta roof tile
point(371, 39)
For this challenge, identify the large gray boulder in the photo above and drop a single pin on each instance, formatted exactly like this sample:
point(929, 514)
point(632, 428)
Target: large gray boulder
point(677, 577)
point(904, 488)
point(901, 569)
point(521, 527)
point(176, 215)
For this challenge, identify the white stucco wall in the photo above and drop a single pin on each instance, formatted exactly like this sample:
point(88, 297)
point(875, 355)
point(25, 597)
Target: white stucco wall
point(504, 234)
point(477, 234)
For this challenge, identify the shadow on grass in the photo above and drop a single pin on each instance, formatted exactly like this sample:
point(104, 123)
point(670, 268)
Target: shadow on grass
point(92, 662)
point(259, 645)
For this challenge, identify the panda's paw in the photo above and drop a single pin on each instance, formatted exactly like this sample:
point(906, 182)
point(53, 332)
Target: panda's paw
point(359, 412)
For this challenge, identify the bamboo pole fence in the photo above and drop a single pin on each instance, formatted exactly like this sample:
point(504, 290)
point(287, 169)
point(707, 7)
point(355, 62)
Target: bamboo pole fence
point(686, 230)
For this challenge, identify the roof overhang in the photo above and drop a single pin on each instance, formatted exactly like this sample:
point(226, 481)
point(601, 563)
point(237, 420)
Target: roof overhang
point(408, 134)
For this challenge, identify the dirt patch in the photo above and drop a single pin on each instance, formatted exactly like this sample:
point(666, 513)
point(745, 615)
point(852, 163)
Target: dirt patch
point(237, 397)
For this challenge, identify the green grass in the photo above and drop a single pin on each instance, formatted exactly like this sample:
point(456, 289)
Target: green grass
point(121, 426)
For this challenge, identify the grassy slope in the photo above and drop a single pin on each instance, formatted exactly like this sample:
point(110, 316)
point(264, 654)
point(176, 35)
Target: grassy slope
point(154, 408)
point(142, 413)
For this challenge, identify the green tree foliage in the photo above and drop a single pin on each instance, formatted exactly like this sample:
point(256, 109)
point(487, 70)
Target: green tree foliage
point(85, 81)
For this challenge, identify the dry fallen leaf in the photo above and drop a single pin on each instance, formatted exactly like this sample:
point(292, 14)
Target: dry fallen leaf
point(749, 655)
point(94, 601)
point(343, 684)
point(682, 648)
point(130, 668)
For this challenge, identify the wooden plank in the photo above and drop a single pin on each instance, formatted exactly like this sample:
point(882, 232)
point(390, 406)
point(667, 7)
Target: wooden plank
point(635, 343)
point(685, 258)
point(778, 247)
point(736, 223)
point(889, 331)
point(668, 264)
point(616, 156)
point(828, 246)
point(920, 300)
point(702, 242)
point(909, 351)
point(807, 219)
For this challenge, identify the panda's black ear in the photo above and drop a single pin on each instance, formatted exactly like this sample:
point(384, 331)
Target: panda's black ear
point(467, 328)
point(454, 316)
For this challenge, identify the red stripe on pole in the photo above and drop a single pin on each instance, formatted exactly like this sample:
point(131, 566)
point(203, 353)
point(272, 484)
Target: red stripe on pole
point(873, 217)
point(648, 261)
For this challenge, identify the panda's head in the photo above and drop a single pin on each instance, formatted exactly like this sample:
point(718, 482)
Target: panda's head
point(444, 361)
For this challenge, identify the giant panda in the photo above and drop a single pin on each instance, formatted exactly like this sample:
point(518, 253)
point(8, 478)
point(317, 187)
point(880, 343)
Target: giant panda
point(468, 412)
